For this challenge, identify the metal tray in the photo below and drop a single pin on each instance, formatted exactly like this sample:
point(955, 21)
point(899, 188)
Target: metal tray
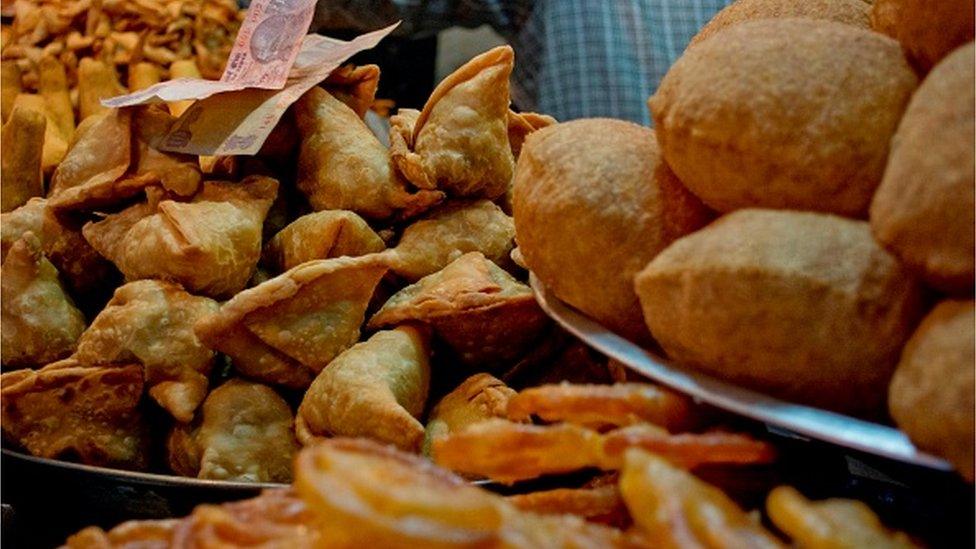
point(815, 423)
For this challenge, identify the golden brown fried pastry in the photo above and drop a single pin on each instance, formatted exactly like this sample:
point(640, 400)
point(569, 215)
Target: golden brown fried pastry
point(366, 494)
point(478, 398)
point(430, 244)
point(55, 145)
point(601, 504)
point(52, 84)
point(274, 519)
point(68, 410)
point(675, 509)
point(355, 86)
point(486, 316)
point(151, 322)
point(210, 244)
point(13, 224)
point(142, 75)
point(521, 124)
point(342, 166)
point(593, 203)
point(40, 321)
point(99, 155)
point(784, 113)
point(321, 235)
point(179, 174)
point(245, 434)
point(804, 306)
point(923, 210)
point(928, 31)
point(287, 329)
point(850, 12)
point(599, 406)
point(96, 81)
point(376, 389)
point(22, 139)
point(9, 87)
point(830, 523)
point(931, 394)
point(459, 142)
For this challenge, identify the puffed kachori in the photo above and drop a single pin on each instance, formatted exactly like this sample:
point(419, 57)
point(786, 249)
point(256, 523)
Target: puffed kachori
point(593, 203)
point(931, 395)
point(851, 12)
point(804, 306)
point(784, 113)
point(923, 210)
point(927, 30)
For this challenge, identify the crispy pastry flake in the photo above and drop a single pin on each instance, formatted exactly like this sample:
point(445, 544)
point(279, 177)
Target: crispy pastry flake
point(22, 139)
point(321, 235)
point(355, 86)
point(478, 398)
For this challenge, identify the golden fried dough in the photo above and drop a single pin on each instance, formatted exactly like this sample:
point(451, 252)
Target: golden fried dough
point(478, 398)
point(321, 235)
point(480, 311)
point(923, 210)
point(376, 389)
point(593, 203)
point(355, 86)
point(40, 322)
point(151, 322)
point(454, 229)
point(927, 30)
point(245, 434)
point(210, 245)
point(931, 394)
point(100, 153)
point(22, 140)
point(521, 124)
point(13, 224)
point(851, 12)
point(784, 113)
point(805, 306)
point(285, 330)
point(72, 411)
point(458, 143)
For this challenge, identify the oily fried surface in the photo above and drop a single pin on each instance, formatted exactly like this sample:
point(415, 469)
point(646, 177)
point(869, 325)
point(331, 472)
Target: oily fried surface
point(601, 504)
point(598, 406)
point(478, 398)
point(687, 450)
point(850, 12)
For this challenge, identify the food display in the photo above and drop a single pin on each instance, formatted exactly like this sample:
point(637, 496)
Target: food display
point(353, 321)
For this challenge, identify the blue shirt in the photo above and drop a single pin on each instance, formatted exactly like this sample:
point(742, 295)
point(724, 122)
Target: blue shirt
point(573, 58)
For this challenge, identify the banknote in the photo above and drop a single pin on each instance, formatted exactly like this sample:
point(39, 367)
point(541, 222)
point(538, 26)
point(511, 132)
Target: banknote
point(238, 122)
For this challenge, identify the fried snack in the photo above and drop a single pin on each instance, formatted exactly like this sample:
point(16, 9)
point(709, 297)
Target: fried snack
point(850, 12)
point(182, 68)
point(784, 113)
point(342, 166)
point(151, 322)
point(9, 87)
point(365, 494)
point(478, 398)
point(210, 245)
point(674, 509)
point(480, 311)
point(13, 224)
point(601, 504)
point(177, 173)
point(245, 434)
point(931, 393)
point(375, 389)
point(804, 306)
point(430, 244)
point(593, 203)
point(276, 518)
point(687, 450)
point(22, 138)
point(68, 410)
point(285, 330)
point(459, 142)
point(831, 523)
point(521, 124)
point(321, 235)
point(52, 85)
point(507, 452)
point(100, 155)
point(55, 145)
point(598, 406)
point(96, 81)
point(928, 31)
point(142, 75)
point(355, 86)
point(923, 210)
point(40, 321)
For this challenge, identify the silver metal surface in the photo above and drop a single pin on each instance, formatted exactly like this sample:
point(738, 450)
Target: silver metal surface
point(814, 423)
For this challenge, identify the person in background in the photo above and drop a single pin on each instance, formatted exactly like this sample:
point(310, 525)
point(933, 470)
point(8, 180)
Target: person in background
point(574, 58)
